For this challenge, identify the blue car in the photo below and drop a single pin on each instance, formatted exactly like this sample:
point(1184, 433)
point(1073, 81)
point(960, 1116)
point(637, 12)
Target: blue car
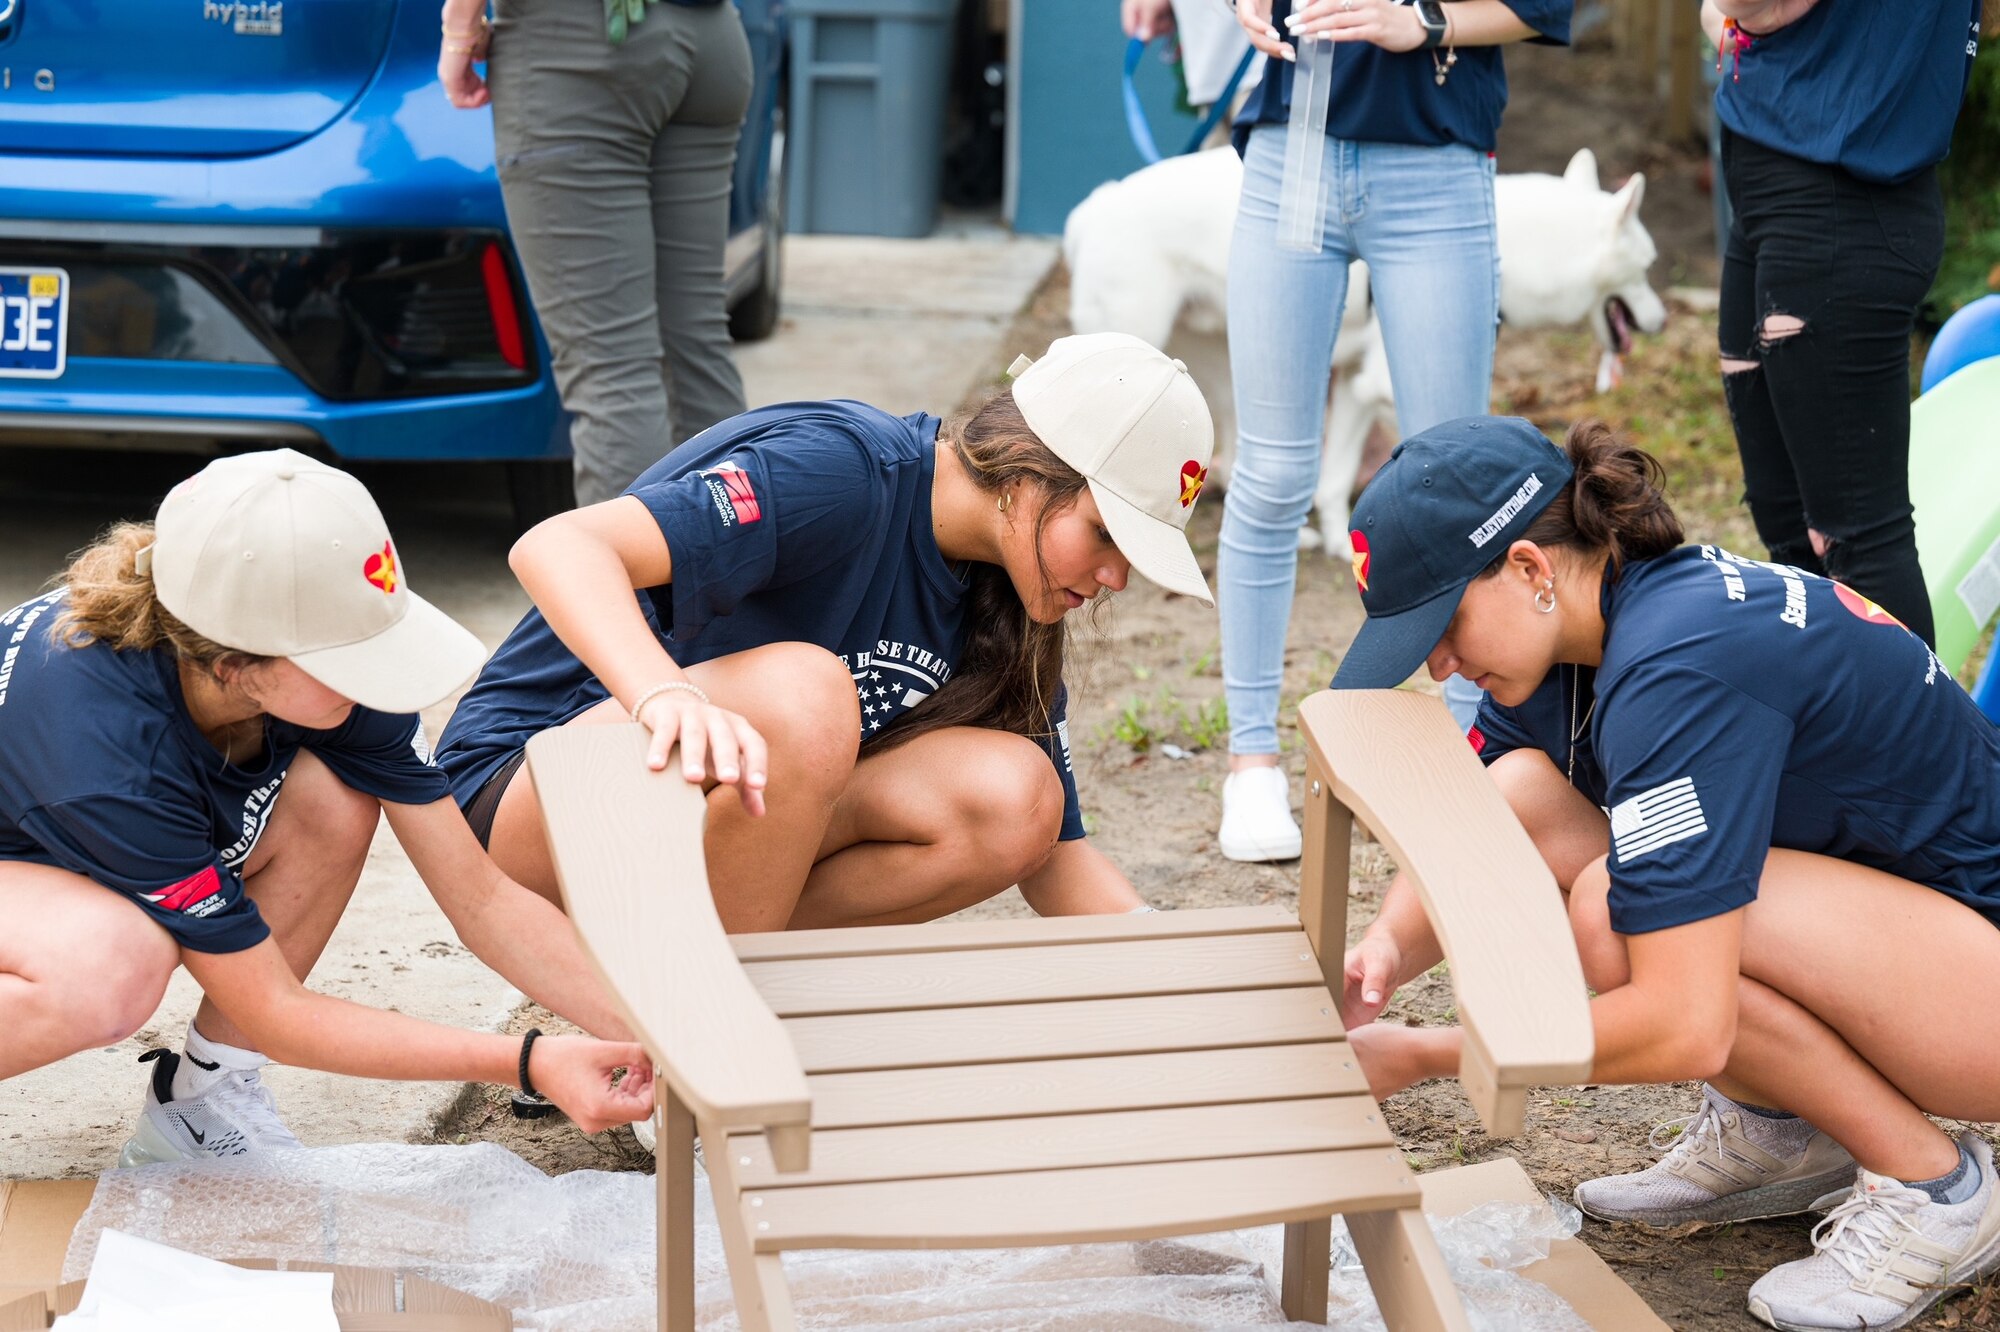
point(232, 224)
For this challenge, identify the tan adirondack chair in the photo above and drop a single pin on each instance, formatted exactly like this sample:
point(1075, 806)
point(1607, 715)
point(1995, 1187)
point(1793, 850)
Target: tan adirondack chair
point(991, 1084)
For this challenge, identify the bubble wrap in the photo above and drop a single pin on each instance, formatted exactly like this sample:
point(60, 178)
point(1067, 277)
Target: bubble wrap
point(575, 1253)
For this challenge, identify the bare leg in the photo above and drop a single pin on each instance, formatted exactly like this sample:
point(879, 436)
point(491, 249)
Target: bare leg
point(932, 827)
point(302, 872)
point(1568, 830)
point(1869, 1001)
point(50, 1007)
point(801, 699)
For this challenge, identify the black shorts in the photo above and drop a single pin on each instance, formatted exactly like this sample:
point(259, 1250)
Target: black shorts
point(479, 811)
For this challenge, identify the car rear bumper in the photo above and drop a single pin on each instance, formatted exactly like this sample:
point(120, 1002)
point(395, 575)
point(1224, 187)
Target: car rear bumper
point(198, 405)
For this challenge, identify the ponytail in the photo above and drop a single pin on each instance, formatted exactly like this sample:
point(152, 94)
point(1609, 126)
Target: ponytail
point(111, 602)
point(1616, 504)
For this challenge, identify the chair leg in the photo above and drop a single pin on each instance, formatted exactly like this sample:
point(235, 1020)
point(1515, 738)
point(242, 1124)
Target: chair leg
point(1406, 1270)
point(763, 1300)
point(674, 1184)
point(1303, 1292)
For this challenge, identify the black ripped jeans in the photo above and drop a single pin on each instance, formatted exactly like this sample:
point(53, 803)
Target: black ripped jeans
point(1823, 418)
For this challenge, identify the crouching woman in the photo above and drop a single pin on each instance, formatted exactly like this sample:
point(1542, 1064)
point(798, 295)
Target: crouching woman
point(199, 732)
point(852, 624)
point(1795, 894)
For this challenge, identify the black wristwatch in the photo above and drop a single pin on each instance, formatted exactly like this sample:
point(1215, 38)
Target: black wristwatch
point(1430, 13)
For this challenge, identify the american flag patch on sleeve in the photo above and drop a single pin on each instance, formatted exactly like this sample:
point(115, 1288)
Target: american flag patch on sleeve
point(1656, 818)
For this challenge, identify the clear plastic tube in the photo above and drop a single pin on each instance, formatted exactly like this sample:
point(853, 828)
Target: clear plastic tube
point(1302, 196)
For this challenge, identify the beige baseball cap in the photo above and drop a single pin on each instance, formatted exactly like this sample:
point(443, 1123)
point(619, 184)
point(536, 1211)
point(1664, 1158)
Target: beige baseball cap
point(278, 555)
point(1130, 419)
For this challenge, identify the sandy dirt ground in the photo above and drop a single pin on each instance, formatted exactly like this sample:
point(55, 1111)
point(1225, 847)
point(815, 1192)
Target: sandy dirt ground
point(1147, 677)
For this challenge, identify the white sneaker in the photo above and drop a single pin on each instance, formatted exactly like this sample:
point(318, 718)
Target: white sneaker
point(233, 1116)
point(1257, 821)
point(1885, 1255)
point(1728, 1165)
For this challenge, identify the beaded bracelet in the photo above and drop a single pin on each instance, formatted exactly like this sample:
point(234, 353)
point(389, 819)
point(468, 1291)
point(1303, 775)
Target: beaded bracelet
point(659, 689)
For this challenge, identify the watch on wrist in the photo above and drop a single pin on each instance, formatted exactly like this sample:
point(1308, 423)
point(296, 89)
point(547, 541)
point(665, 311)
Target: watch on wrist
point(1430, 13)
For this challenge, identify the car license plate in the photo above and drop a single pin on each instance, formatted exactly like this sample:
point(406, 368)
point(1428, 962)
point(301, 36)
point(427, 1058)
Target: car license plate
point(34, 322)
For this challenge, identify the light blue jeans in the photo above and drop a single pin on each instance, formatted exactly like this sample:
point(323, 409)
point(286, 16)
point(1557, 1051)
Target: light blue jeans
point(1422, 218)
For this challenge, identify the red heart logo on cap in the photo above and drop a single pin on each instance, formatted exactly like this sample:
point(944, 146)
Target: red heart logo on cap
point(380, 569)
point(1193, 476)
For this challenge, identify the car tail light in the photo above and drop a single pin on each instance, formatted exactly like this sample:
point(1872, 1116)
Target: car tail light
point(500, 305)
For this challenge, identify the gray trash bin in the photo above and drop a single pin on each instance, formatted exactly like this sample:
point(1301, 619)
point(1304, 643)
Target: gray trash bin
point(865, 129)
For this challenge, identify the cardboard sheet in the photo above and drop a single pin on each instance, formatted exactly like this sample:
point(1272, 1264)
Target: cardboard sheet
point(36, 1218)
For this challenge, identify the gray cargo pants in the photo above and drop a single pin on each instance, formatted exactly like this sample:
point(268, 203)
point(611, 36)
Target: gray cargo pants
point(615, 164)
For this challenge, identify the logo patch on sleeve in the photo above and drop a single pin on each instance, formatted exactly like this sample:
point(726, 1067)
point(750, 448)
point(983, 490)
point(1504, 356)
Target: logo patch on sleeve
point(1656, 818)
point(735, 498)
point(197, 895)
point(1477, 739)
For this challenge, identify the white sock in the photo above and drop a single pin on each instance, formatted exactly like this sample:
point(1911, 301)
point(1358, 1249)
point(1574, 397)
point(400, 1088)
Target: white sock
point(205, 1063)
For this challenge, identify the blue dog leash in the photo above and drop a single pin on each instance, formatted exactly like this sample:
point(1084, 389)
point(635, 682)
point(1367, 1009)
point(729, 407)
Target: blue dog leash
point(1135, 115)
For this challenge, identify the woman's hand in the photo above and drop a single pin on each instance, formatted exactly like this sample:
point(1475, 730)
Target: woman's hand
point(466, 36)
point(710, 737)
point(1393, 1056)
point(1255, 16)
point(1371, 971)
point(1147, 19)
point(1392, 27)
point(460, 48)
point(577, 1073)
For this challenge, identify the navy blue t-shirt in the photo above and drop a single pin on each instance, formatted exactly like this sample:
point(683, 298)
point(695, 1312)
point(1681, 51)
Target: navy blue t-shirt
point(1394, 97)
point(1742, 706)
point(1873, 88)
point(104, 773)
point(805, 522)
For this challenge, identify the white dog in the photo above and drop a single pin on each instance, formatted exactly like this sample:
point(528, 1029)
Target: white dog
point(1154, 247)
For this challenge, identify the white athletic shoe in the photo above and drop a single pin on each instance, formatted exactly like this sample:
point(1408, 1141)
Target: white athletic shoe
point(1728, 1165)
point(234, 1116)
point(1257, 821)
point(1885, 1255)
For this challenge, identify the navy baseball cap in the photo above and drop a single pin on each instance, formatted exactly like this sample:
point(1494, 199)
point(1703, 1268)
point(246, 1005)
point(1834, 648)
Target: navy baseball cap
point(1446, 504)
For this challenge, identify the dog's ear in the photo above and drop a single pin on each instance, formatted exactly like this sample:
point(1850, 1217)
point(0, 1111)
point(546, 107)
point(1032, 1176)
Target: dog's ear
point(1629, 197)
point(1582, 169)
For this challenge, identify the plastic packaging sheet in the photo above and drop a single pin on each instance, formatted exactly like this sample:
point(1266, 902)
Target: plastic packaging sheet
point(575, 1252)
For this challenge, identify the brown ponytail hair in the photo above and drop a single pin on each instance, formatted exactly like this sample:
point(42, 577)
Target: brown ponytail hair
point(1616, 505)
point(1011, 670)
point(112, 603)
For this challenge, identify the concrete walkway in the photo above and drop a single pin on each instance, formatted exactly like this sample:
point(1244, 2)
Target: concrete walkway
point(902, 324)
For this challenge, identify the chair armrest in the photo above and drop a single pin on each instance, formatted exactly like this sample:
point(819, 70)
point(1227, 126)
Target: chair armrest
point(627, 846)
point(1399, 762)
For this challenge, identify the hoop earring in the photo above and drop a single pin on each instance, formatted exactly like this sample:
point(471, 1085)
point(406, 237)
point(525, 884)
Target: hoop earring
point(1551, 592)
point(1005, 502)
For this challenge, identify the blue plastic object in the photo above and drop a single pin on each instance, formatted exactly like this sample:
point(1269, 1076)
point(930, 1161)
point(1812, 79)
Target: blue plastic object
point(865, 128)
point(1141, 129)
point(1973, 334)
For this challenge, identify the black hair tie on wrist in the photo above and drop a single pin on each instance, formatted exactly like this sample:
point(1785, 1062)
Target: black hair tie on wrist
point(529, 1103)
